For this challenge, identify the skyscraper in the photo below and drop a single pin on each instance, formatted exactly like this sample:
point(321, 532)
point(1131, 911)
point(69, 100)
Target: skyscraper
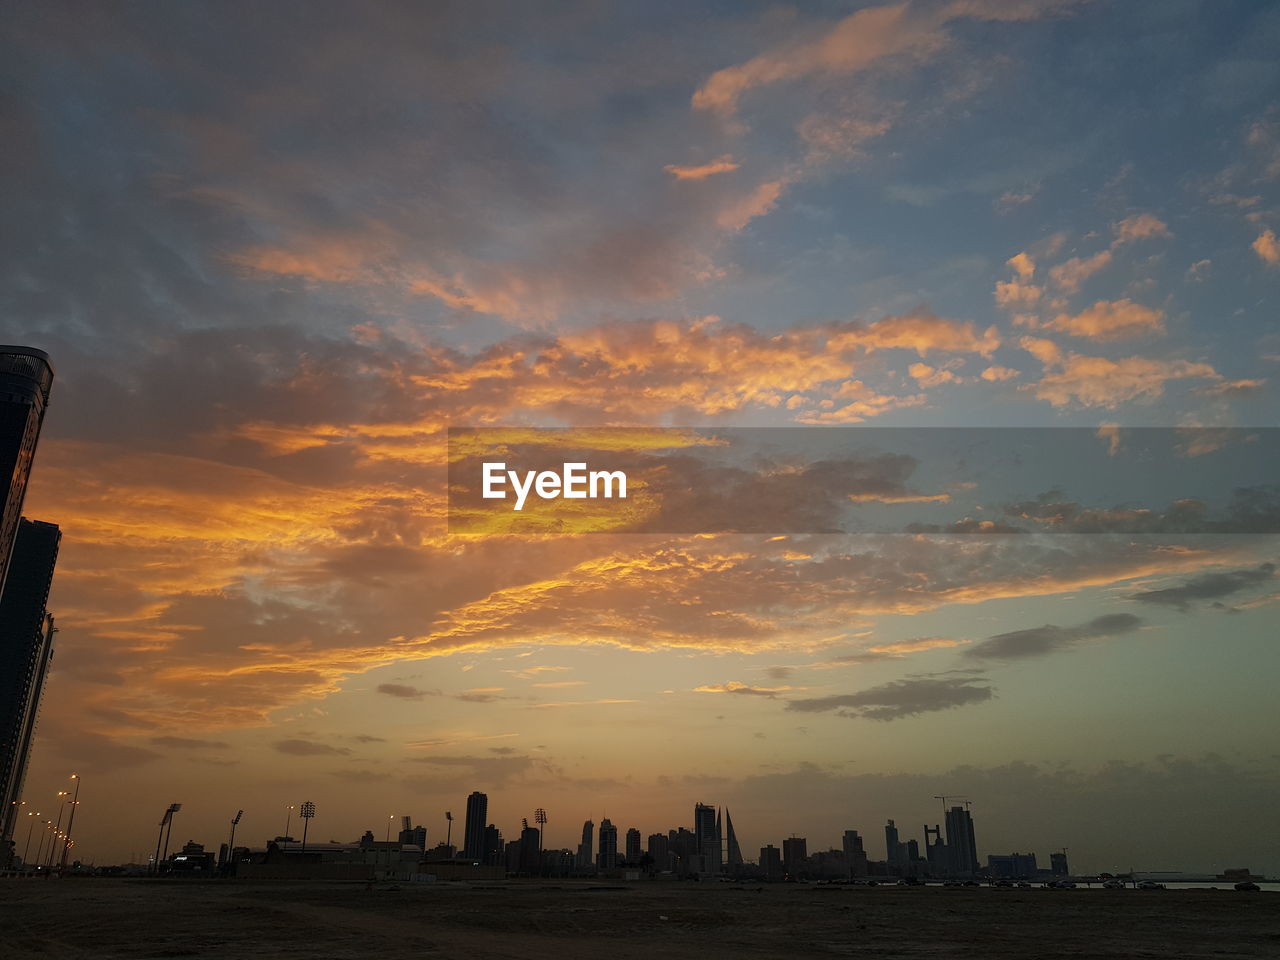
point(854, 854)
point(961, 843)
point(584, 848)
point(26, 637)
point(771, 862)
point(733, 852)
point(26, 377)
point(633, 845)
point(795, 851)
point(477, 818)
point(707, 829)
point(26, 647)
point(608, 845)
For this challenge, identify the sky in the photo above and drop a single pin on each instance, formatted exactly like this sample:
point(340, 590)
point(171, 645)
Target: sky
point(277, 251)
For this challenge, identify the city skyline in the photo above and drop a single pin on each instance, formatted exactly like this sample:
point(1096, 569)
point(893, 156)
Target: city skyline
point(276, 258)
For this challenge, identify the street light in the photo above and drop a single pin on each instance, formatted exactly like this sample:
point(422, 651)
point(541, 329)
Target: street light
point(307, 812)
point(231, 843)
point(75, 802)
point(288, 822)
point(448, 837)
point(58, 830)
point(27, 848)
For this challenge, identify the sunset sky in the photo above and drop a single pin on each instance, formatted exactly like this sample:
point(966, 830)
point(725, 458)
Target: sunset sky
point(276, 250)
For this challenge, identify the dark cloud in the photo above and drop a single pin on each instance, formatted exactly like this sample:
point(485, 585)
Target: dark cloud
point(1210, 586)
point(903, 698)
point(1254, 510)
point(189, 743)
point(494, 770)
point(308, 748)
point(405, 692)
point(1038, 641)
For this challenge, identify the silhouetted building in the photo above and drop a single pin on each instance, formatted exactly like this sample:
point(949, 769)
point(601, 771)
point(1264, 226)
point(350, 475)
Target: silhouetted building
point(733, 853)
point(26, 647)
point(961, 843)
point(771, 862)
point(660, 851)
point(530, 851)
point(409, 834)
point(26, 376)
point(608, 859)
point(895, 851)
point(1012, 865)
point(585, 858)
point(492, 847)
point(854, 854)
point(477, 817)
point(706, 828)
point(1058, 864)
point(795, 850)
point(633, 845)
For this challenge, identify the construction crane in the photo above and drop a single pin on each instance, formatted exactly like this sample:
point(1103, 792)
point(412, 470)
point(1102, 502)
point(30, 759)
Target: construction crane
point(944, 797)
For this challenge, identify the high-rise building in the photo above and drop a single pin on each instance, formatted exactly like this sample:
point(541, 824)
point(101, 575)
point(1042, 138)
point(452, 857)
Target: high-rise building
point(961, 843)
point(26, 647)
point(733, 853)
point(608, 845)
point(660, 850)
point(26, 377)
point(633, 845)
point(477, 818)
point(854, 854)
point(492, 847)
point(894, 851)
point(1058, 864)
point(584, 859)
point(795, 851)
point(771, 862)
point(706, 828)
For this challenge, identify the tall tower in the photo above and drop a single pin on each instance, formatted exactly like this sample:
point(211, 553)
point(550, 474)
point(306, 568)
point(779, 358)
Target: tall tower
point(961, 842)
point(584, 848)
point(733, 852)
point(26, 638)
point(706, 830)
point(26, 377)
point(608, 845)
point(477, 818)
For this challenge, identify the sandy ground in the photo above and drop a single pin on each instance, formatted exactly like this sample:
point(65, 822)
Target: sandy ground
point(262, 919)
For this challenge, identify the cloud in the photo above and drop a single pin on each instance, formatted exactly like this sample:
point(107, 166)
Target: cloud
point(997, 373)
point(903, 698)
point(761, 200)
point(1231, 388)
point(404, 691)
point(1142, 226)
point(1039, 641)
point(189, 743)
point(736, 686)
point(1069, 276)
point(917, 645)
point(308, 748)
point(1100, 382)
point(724, 164)
point(854, 44)
point(1209, 586)
point(1267, 248)
point(1110, 320)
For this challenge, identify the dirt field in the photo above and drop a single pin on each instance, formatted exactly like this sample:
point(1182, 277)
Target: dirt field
point(141, 919)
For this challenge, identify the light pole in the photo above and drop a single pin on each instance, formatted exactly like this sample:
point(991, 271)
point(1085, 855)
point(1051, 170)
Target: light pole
point(448, 837)
point(288, 822)
point(231, 843)
point(307, 812)
point(27, 848)
point(540, 818)
point(75, 802)
point(48, 825)
point(58, 829)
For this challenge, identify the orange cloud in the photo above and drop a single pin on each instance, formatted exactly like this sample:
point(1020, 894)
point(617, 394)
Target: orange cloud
point(724, 164)
point(1109, 320)
point(1143, 226)
point(1099, 382)
point(1267, 248)
point(1070, 275)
